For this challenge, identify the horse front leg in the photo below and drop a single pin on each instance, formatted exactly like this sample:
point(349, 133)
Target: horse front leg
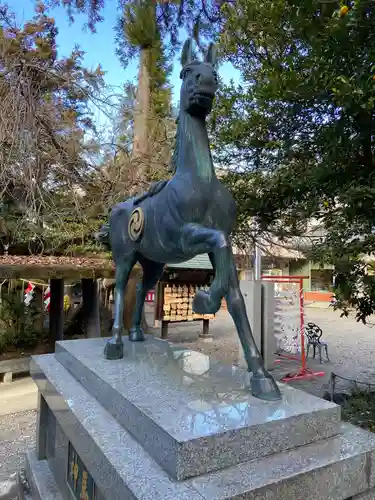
point(152, 272)
point(262, 383)
point(198, 239)
point(114, 348)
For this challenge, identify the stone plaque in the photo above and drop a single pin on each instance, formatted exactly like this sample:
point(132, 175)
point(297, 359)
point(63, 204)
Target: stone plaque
point(79, 479)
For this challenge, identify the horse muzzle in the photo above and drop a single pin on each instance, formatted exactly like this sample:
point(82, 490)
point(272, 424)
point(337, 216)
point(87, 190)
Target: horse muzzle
point(200, 103)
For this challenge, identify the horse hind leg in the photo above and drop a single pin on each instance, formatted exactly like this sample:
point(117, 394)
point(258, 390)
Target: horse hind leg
point(114, 348)
point(152, 272)
point(263, 385)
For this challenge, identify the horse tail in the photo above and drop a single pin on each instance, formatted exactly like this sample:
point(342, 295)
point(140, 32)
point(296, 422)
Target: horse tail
point(102, 236)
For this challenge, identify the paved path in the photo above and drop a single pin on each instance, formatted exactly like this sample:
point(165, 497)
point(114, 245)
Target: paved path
point(19, 395)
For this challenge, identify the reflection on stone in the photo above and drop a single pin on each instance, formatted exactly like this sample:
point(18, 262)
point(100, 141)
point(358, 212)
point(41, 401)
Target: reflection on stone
point(194, 362)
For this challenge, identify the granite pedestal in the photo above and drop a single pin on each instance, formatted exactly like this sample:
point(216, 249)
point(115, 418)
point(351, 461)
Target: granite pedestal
point(166, 422)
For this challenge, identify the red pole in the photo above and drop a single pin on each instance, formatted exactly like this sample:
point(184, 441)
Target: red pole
point(304, 372)
point(301, 307)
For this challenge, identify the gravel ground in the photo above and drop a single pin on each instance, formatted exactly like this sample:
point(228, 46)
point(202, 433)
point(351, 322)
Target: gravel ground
point(17, 435)
point(351, 345)
point(351, 349)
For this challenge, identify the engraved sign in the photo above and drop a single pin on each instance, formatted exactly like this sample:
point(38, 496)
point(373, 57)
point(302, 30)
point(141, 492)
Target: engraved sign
point(79, 479)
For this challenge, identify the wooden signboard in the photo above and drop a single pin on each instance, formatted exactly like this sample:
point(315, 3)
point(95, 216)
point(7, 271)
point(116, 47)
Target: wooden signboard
point(178, 303)
point(174, 299)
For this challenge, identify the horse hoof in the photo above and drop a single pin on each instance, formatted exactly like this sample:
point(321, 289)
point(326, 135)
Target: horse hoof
point(263, 386)
point(114, 350)
point(204, 304)
point(136, 334)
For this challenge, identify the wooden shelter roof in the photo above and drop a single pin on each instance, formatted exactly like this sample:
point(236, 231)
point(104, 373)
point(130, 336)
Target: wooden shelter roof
point(72, 268)
point(47, 267)
point(198, 262)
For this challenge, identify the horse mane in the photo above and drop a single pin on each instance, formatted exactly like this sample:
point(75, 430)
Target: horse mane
point(176, 148)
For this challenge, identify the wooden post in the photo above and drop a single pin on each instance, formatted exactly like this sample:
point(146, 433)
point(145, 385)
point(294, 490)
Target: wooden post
point(90, 308)
point(156, 305)
point(56, 311)
point(206, 330)
point(206, 327)
point(164, 329)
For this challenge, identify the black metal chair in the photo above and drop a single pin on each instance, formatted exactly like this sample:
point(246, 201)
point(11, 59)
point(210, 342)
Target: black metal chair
point(314, 338)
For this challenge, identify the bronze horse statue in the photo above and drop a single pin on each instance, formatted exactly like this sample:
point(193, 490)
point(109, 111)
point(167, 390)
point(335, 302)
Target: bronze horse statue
point(191, 214)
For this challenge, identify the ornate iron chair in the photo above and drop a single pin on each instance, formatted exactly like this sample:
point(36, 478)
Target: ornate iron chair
point(314, 338)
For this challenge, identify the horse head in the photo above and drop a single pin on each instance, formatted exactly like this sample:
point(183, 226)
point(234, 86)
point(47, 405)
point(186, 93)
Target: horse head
point(199, 81)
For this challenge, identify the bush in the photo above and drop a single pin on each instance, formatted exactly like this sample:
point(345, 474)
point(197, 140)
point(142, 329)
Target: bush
point(17, 324)
point(359, 409)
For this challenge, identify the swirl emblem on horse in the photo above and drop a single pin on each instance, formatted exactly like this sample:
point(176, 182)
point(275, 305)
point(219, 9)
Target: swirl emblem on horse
point(191, 214)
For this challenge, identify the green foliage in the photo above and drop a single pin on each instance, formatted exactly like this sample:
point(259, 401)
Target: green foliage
point(143, 21)
point(17, 323)
point(138, 29)
point(299, 130)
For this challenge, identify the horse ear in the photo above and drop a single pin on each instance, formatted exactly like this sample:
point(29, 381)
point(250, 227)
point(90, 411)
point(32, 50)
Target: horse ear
point(211, 54)
point(187, 52)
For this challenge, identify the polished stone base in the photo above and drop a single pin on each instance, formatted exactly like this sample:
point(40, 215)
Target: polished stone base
point(119, 434)
point(41, 482)
point(369, 495)
point(192, 414)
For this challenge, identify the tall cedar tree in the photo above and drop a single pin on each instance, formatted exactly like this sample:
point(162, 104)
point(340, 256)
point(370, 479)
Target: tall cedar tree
point(148, 30)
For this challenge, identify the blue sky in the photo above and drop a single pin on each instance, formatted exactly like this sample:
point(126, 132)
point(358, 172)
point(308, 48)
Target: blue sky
point(99, 47)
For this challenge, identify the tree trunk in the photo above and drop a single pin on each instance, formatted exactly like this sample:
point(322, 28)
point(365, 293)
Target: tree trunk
point(141, 148)
point(129, 301)
point(129, 305)
point(142, 108)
